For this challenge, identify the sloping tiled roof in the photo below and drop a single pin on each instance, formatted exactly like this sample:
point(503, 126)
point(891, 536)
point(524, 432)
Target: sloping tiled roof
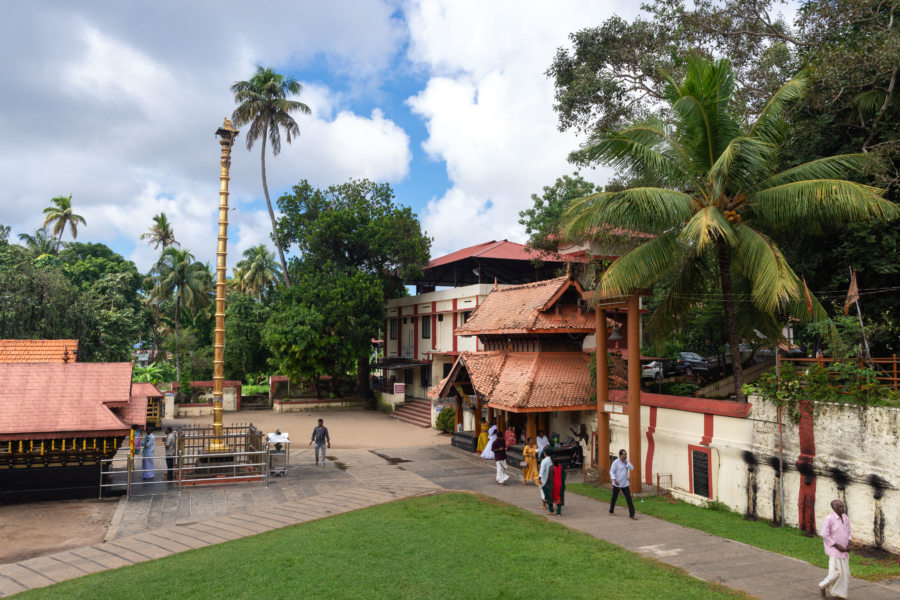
point(520, 309)
point(528, 381)
point(60, 400)
point(136, 411)
point(38, 351)
point(493, 249)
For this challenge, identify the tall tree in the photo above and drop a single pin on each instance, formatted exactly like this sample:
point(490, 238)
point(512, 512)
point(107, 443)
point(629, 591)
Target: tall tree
point(258, 270)
point(263, 103)
point(60, 215)
point(542, 220)
point(4, 232)
point(724, 200)
point(183, 280)
point(39, 242)
point(160, 233)
point(357, 227)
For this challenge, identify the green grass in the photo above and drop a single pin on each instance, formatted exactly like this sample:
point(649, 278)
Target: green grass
point(446, 546)
point(733, 526)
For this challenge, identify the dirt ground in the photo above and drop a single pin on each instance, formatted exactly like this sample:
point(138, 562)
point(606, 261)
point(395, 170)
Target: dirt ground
point(38, 528)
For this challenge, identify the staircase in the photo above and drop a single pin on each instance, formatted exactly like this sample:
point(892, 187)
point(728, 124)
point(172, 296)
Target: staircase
point(415, 412)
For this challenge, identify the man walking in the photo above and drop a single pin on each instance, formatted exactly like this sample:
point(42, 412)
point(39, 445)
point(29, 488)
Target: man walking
point(499, 448)
point(170, 454)
point(544, 473)
point(555, 487)
point(836, 538)
point(618, 474)
point(320, 437)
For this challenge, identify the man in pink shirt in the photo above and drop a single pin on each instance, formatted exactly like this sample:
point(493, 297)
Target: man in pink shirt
point(836, 537)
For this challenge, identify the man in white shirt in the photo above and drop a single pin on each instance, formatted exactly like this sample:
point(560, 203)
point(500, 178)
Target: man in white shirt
point(618, 474)
point(542, 441)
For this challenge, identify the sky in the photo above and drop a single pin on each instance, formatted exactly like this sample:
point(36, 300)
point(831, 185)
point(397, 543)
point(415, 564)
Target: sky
point(117, 103)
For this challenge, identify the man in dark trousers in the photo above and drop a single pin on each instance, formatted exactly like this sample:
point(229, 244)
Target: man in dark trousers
point(618, 474)
point(499, 448)
point(555, 486)
point(320, 437)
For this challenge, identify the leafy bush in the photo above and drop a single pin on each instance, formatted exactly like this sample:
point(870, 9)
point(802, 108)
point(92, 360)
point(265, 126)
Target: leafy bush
point(255, 389)
point(684, 389)
point(446, 420)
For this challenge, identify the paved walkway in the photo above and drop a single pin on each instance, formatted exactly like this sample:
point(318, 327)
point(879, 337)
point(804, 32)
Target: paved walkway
point(164, 522)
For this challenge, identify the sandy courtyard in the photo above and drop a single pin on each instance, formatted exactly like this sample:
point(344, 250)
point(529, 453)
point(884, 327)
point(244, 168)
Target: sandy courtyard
point(38, 528)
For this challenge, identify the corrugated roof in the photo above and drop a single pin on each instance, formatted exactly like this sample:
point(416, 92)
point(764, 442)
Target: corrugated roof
point(494, 249)
point(38, 351)
point(526, 308)
point(59, 400)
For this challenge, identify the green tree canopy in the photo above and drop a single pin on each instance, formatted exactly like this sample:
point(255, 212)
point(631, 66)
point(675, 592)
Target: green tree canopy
point(257, 271)
point(543, 220)
point(726, 197)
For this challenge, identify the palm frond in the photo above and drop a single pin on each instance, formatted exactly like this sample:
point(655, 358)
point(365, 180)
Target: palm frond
point(820, 201)
point(686, 284)
point(639, 149)
point(705, 228)
point(650, 210)
point(642, 267)
point(830, 167)
point(767, 126)
point(740, 165)
point(756, 257)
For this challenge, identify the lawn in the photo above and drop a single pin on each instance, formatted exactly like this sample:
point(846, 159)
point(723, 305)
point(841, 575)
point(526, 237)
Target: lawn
point(445, 546)
point(733, 526)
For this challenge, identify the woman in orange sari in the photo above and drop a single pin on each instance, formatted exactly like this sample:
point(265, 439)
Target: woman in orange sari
point(530, 471)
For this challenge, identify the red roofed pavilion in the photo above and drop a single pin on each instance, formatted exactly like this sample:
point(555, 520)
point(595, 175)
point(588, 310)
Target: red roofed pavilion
point(38, 351)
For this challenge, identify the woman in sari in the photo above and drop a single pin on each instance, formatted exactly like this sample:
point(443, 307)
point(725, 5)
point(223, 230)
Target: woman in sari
point(149, 464)
point(482, 438)
point(530, 472)
point(488, 452)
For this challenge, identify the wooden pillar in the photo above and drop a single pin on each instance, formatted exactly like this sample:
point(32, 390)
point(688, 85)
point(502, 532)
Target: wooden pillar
point(459, 414)
point(490, 418)
point(602, 397)
point(531, 426)
point(477, 414)
point(634, 392)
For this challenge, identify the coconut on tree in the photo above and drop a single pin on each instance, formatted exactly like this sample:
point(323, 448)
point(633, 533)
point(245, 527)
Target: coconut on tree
point(61, 215)
point(711, 224)
point(263, 104)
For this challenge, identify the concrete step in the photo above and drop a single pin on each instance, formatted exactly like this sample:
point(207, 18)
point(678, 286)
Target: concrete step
point(415, 412)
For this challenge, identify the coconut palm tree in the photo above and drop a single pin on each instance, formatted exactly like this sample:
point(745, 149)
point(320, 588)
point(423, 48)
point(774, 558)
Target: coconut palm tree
point(710, 228)
point(263, 104)
point(39, 243)
point(4, 232)
point(259, 270)
point(60, 214)
point(160, 233)
point(185, 281)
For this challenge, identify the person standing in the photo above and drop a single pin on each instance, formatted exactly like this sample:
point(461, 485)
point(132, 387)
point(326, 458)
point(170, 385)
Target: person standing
point(499, 449)
point(836, 538)
point(530, 472)
point(555, 487)
point(148, 466)
point(321, 438)
point(544, 474)
point(618, 474)
point(510, 436)
point(542, 442)
point(488, 452)
point(170, 454)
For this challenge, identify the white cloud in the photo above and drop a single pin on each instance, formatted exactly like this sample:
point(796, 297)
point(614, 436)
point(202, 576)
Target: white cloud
point(489, 109)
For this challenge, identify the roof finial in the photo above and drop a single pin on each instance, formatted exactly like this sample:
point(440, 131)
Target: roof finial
point(66, 354)
point(496, 287)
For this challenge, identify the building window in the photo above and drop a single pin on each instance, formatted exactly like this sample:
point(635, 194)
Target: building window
point(408, 376)
point(393, 329)
point(447, 367)
point(426, 376)
point(464, 317)
point(426, 327)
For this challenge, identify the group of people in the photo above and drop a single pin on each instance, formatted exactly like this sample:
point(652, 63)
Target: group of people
point(146, 445)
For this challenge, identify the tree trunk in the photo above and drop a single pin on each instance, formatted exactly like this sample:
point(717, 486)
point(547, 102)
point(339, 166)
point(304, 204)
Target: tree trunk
point(284, 271)
point(731, 320)
point(362, 377)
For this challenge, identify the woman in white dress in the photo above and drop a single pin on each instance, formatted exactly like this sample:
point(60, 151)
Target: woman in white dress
point(488, 452)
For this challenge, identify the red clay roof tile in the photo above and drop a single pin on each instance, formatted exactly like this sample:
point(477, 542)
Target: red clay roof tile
point(59, 400)
point(38, 351)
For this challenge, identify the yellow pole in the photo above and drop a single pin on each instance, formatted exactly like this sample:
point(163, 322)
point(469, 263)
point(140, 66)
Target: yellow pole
point(227, 132)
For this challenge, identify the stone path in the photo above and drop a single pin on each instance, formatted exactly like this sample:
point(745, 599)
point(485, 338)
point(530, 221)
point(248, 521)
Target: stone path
point(164, 522)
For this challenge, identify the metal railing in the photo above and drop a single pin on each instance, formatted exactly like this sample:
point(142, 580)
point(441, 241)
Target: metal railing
point(888, 368)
